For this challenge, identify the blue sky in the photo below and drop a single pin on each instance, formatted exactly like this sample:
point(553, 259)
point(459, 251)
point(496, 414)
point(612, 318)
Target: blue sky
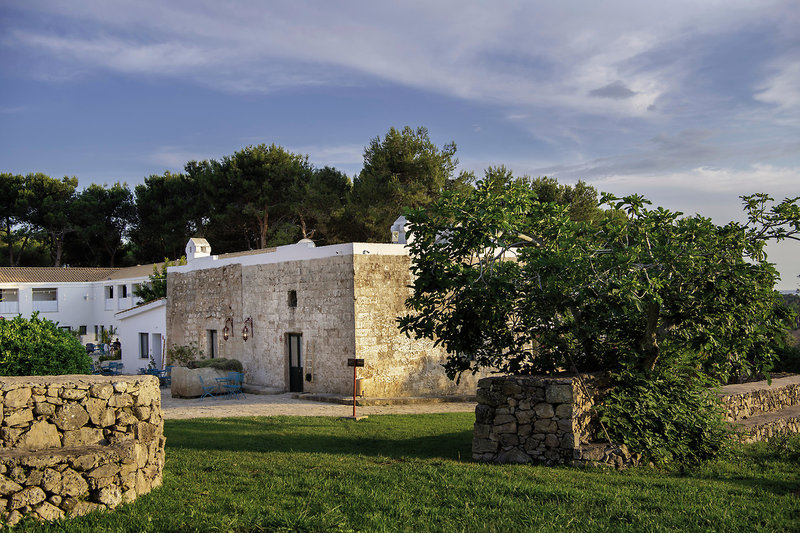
point(689, 103)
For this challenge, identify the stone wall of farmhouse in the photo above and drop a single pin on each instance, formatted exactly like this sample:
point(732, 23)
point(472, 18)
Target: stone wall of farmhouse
point(395, 365)
point(201, 300)
point(74, 444)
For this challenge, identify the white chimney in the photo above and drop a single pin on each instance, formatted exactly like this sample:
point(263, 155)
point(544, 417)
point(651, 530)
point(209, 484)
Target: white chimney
point(399, 234)
point(196, 248)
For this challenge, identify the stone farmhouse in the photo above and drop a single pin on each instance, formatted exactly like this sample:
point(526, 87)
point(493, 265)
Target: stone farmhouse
point(295, 314)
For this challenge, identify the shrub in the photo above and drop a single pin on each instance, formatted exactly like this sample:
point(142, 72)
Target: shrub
point(37, 347)
point(667, 416)
point(181, 355)
point(232, 365)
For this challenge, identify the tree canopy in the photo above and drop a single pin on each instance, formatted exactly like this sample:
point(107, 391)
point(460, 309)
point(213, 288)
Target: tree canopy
point(404, 169)
point(506, 281)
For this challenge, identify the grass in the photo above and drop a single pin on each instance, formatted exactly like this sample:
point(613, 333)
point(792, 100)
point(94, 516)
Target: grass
point(414, 473)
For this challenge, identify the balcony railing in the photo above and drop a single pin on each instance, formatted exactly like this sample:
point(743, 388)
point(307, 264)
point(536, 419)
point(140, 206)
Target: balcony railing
point(9, 307)
point(45, 306)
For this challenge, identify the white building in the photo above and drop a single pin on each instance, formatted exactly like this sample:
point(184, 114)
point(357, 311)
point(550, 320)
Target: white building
point(142, 332)
point(85, 300)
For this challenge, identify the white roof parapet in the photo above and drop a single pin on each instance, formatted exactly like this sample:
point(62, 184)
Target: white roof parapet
point(292, 252)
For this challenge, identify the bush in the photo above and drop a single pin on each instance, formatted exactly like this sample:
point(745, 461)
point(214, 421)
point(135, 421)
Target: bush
point(232, 365)
point(181, 355)
point(667, 416)
point(37, 347)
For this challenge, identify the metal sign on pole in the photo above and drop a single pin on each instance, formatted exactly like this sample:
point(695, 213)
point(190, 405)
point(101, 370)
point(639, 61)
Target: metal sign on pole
point(355, 363)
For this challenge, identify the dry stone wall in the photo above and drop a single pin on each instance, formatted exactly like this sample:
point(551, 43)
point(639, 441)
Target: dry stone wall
point(74, 444)
point(762, 410)
point(523, 419)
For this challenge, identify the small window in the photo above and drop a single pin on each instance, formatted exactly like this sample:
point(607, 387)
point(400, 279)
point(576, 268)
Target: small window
point(110, 291)
point(65, 328)
point(211, 340)
point(9, 295)
point(82, 330)
point(292, 298)
point(96, 331)
point(144, 346)
point(123, 291)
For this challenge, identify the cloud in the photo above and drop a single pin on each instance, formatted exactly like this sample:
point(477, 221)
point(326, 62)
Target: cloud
point(782, 89)
point(615, 91)
point(533, 55)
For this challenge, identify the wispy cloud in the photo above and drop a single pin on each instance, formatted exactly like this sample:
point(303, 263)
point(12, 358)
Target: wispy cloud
point(542, 54)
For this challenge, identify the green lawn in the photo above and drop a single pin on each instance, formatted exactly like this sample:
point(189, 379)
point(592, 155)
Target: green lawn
point(414, 473)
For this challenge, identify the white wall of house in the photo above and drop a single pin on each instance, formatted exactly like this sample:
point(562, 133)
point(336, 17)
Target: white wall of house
point(73, 304)
point(142, 332)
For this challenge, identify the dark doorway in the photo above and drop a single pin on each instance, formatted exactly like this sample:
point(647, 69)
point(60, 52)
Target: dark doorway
point(295, 342)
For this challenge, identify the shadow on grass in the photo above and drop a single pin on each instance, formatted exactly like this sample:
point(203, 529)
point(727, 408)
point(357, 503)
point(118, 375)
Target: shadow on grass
point(394, 438)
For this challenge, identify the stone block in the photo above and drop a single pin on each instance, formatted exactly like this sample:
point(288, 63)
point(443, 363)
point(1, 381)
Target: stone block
point(40, 436)
point(8, 486)
point(513, 456)
point(478, 446)
point(51, 480)
point(44, 409)
point(524, 417)
point(545, 426)
point(564, 410)
point(48, 511)
point(17, 398)
point(73, 484)
point(510, 427)
point(71, 416)
point(558, 393)
point(29, 496)
point(484, 414)
point(83, 437)
point(508, 440)
point(102, 391)
point(19, 418)
point(544, 410)
point(73, 394)
point(551, 441)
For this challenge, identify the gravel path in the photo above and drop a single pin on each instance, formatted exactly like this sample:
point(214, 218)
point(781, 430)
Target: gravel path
point(284, 404)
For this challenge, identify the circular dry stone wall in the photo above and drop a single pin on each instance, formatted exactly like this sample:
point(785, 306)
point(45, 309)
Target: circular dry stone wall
point(74, 444)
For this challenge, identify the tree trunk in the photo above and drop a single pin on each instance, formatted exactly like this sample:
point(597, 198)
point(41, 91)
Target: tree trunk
point(263, 225)
point(649, 342)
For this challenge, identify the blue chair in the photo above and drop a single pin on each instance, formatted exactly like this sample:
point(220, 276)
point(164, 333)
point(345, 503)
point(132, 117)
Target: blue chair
point(208, 390)
point(233, 385)
point(168, 376)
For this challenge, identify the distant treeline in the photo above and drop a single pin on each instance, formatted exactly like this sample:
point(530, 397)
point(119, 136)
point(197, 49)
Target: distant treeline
point(261, 196)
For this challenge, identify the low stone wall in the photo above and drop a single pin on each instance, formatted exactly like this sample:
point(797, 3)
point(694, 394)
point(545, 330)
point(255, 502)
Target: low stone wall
point(73, 444)
point(522, 419)
point(762, 410)
point(750, 399)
